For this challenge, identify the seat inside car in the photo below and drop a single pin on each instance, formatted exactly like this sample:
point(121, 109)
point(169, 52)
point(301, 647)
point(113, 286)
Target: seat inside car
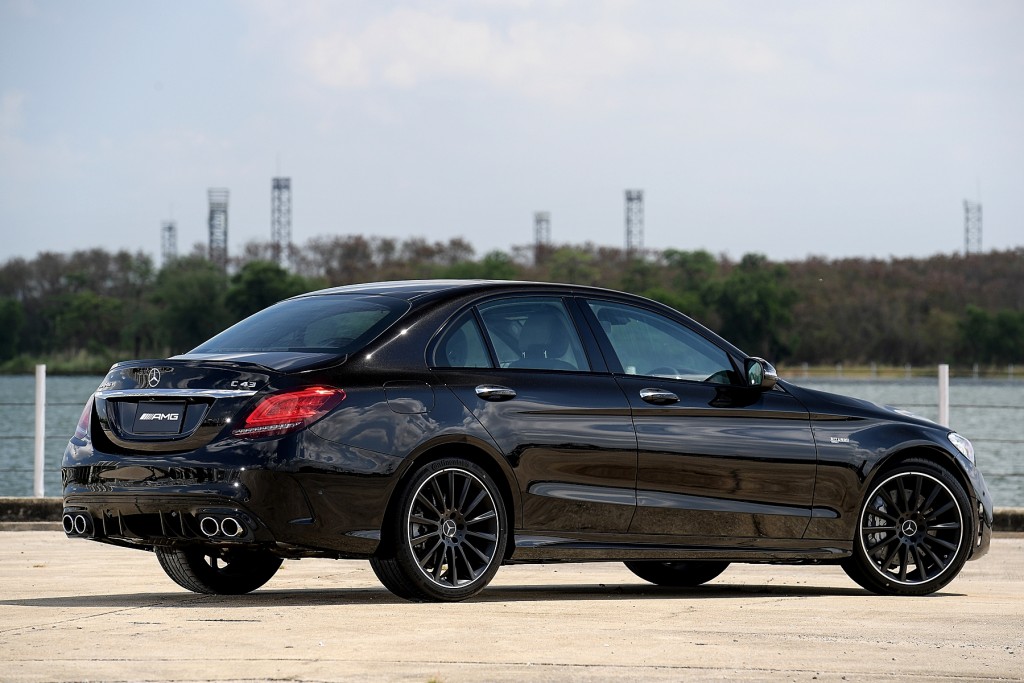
point(543, 341)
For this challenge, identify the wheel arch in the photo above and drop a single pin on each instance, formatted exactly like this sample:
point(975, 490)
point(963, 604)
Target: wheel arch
point(934, 454)
point(478, 453)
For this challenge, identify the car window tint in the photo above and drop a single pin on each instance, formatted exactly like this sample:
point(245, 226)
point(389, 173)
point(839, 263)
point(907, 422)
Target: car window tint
point(650, 344)
point(462, 346)
point(330, 323)
point(533, 332)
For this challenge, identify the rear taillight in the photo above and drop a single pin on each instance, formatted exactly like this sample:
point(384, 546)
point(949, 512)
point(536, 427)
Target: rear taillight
point(282, 413)
point(82, 430)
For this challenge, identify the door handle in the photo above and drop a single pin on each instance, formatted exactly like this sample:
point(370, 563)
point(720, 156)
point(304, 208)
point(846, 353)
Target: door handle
point(658, 396)
point(495, 392)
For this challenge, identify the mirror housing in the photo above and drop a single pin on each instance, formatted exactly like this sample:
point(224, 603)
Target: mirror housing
point(760, 374)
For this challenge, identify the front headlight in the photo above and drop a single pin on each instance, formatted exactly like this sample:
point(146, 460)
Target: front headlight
point(962, 445)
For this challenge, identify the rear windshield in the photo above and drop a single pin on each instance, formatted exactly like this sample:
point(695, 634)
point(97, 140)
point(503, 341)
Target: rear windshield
point(332, 323)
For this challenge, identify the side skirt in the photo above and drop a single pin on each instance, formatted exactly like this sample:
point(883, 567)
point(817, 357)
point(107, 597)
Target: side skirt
point(539, 547)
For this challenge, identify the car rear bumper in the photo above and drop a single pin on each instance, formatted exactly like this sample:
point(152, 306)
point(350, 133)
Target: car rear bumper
point(294, 509)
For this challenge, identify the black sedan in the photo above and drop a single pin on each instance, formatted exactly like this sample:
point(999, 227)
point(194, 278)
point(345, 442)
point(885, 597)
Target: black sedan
point(441, 429)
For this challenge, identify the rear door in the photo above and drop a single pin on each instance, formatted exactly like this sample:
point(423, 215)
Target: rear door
point(716, 460)
point(519, 365)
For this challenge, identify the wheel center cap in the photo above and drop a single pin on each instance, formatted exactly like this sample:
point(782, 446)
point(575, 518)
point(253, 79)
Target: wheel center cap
point(909, 528)
point(449, 528)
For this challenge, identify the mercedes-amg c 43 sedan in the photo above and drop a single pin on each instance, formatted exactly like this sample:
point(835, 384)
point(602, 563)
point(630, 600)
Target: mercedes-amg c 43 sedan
point(441, 429)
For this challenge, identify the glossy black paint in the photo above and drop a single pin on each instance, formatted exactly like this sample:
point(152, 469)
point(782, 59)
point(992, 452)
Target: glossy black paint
point(589, 470)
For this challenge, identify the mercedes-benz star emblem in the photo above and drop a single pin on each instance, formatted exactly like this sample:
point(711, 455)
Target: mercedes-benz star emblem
point(909, 528)
point(153, 377)
point(449, 528)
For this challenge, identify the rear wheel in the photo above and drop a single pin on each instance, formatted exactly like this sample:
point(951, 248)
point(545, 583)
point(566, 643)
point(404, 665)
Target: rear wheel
point(219, 571)
point(683, 574)
point(914, 531)
point(448, 537)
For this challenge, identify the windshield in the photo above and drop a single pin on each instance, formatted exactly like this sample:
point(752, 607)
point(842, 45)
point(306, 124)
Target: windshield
point(330, 323)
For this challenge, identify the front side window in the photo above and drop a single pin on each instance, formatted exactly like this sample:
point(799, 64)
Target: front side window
point(646, 343)
point(533, 332)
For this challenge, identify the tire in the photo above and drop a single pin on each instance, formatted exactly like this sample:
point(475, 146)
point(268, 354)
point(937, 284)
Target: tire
point(218, 571)
point(683, 574)
point(914, 531)
point(447, 536)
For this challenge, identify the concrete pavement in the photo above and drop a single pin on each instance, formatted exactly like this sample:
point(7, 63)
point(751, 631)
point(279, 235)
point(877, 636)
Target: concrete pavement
point(77, 610)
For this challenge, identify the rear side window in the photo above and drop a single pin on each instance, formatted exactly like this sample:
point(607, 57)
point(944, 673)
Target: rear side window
point(533, 332)
point(462, 346)
point(332, 323)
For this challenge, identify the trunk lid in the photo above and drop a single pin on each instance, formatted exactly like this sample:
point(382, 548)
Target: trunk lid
point(171, 405)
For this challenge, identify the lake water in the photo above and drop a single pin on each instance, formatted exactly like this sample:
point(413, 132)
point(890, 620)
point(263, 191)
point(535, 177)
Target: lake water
point(989, 412)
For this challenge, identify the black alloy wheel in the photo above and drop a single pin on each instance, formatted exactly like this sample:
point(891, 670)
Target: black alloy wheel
point(914, 532)
point(219, 571)
point(448, 538)
point(678, 574)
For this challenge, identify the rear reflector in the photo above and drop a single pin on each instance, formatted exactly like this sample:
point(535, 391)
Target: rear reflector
point(282, 413)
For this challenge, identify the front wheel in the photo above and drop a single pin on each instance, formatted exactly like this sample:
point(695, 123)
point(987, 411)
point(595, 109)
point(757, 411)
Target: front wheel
point(447, 538)
point(218, 571)
point(914, 531)
point(682, 574)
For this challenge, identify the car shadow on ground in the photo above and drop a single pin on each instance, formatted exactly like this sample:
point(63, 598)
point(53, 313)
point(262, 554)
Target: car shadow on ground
point(301, 597)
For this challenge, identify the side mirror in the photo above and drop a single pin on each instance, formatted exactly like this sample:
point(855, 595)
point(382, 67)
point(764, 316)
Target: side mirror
point(761, 374)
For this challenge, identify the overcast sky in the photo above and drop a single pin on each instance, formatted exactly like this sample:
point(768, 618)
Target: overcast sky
point(786, 128)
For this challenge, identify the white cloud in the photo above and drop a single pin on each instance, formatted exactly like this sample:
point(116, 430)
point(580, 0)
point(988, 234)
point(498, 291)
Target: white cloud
point(407, 47)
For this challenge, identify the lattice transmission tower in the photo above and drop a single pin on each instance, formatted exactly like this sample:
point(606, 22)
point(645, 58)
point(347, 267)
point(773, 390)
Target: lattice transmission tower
point(281, 219)
point(541, 235)
point(218, 222)
point(634, 223)
point(972, 227)
point(168, 242)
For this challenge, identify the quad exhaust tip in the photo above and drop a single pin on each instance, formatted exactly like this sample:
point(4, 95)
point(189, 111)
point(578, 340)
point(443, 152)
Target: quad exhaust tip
point(75, 525)
point(209, 526)
point(228, 527)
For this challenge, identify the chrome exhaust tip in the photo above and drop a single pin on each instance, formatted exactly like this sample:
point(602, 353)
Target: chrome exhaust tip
point(229, 526)
point(209, 526)
point(81, 524)
point(68, 522)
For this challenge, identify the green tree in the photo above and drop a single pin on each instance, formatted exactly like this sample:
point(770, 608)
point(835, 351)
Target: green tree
point(992, 337)
point(495, 265)
point(189, 296)
point(754, 303)
point(692, 277)
point(258, 285)
point(574, 266)
point(12, 319)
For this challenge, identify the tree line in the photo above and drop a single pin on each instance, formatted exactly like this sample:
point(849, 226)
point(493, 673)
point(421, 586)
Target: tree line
point(98, 306)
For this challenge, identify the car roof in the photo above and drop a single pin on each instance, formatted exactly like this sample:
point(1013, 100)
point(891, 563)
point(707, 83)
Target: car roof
point(416, 290)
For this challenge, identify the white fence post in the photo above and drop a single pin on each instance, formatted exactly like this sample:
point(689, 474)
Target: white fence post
point(944, 395)
point(40, 469)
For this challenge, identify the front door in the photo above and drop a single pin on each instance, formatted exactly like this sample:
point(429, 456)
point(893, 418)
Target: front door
point(716, 459)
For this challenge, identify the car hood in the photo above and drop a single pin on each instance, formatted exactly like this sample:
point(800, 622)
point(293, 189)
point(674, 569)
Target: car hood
point(823, 402)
